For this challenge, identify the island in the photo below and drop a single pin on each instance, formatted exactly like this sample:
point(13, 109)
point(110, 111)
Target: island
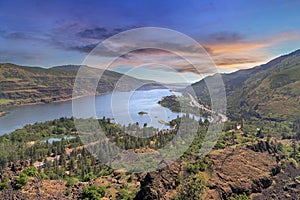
point(2, 113)
point(164, 122)
point(142, 113)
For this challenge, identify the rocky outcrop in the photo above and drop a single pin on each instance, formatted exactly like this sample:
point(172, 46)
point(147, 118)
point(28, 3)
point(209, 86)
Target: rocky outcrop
point(38, 189)
point(286, 185)
point(240, 170)
point(156, 184)
point(14, 169)
point(263, 146)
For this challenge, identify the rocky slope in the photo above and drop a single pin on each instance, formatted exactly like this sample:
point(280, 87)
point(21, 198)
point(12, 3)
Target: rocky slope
point(270, 91)
point(39, 189)
point(238, 171)
point(160, 184)
point(24, 85)
point(257, 169)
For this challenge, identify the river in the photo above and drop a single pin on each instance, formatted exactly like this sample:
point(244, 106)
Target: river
point(122, 106)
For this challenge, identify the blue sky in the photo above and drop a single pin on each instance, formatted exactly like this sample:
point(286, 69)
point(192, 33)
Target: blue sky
point(236, 34)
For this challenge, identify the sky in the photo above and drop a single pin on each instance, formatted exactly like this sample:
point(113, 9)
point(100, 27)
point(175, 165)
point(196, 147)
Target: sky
point(235, 34)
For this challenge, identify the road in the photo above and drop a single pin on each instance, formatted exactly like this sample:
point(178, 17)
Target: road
point(216, 117)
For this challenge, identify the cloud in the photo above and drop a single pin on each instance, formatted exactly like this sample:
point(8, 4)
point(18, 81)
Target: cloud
point(7, 56)
point(235, 51)
point(228, 49)
point(19, 36)
point(227, 61)
point(84, 48)
point(193, 69)
point(96, 33)
point(225, 37)
point(101, 33)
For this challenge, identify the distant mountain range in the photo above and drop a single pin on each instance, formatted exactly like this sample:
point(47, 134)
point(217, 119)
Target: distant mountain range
point(25, 85)
point(270, 91)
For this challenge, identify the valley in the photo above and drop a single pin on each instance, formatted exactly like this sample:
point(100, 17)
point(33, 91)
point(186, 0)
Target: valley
point(259, 140)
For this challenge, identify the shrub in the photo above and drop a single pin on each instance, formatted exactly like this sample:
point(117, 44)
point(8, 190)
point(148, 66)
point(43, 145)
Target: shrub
point(125, 194)
point(240, 197)
point(89, 176)
point(21, 180)
point(3, 183)
point(193, 188)
point(31, 171)
point(293, 162)
point(70, 182)
point(197, 166)
point(93, 192)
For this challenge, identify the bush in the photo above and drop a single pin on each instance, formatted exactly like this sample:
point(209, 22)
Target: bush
point(21, 180)
point(70, 182)
point(197, 166)
point(293, 162)
point(125, 194)
point(221, 143)
point(31, 171)
point(93, 192)
point(193, 188)
point(240, 197)
point(3, 183)
point(89, 176)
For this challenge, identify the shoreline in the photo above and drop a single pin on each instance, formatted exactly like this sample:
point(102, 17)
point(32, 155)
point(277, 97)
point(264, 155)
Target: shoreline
point(48, 102)
point(60, 100)
point(4, 107)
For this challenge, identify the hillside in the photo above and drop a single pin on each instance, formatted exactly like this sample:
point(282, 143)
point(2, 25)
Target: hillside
point(24, 85)
point(31, 168)
point(270, 91)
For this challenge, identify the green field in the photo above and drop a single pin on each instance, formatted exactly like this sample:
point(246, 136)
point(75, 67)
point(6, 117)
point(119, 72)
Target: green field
point(5, 101)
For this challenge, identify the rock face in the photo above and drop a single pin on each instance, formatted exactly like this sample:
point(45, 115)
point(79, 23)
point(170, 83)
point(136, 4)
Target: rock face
point(286, 185)
point(36, 189)
point(14, 169)
point(156, 184)
point(263, 146)
point(235, 171)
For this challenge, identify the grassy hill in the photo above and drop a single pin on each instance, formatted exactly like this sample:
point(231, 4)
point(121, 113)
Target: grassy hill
point(270, 91)
point(23, 85)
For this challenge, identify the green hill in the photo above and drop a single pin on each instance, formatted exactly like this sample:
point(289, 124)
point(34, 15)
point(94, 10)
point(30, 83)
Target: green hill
point(270, 91)
point(24, 85)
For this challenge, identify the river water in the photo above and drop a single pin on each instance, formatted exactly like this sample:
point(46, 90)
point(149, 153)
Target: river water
point(122, 106)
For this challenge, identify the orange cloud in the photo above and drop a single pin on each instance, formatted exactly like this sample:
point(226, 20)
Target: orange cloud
point(245, 54)
point(229, 53)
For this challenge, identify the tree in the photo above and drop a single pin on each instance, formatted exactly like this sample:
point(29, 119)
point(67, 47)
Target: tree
point(296, 128)
point(294, 146)
point(259, 133)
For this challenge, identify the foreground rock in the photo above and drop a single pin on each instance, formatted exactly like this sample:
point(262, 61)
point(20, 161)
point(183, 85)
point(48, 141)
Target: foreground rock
point(286, 185)
point(240, 170)
point(159, 184)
